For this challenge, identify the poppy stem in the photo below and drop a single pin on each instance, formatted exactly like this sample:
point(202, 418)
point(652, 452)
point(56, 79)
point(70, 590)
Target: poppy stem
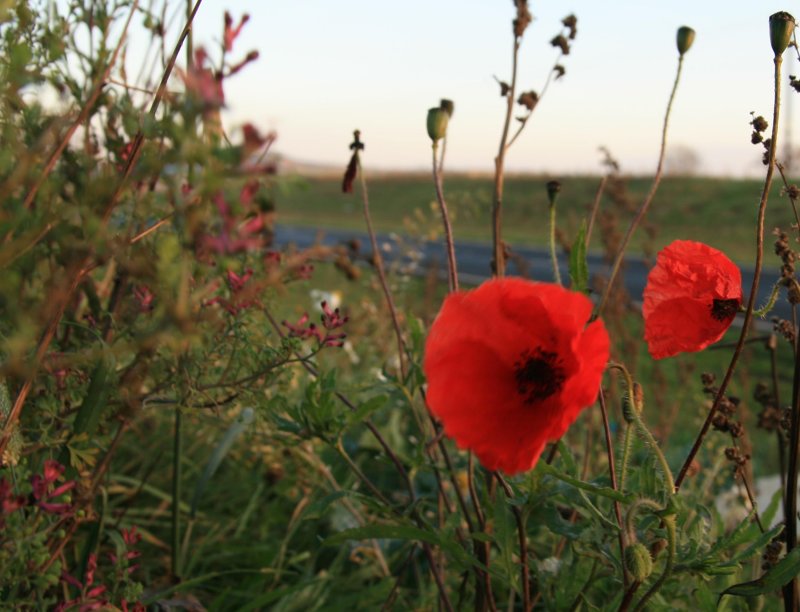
point(523, 545)
point(773, 297)
point(595, 207)
point(669, 524)
point(637, 421)
point(499, 258)
point(377, 259)
point(452, 272)
point(553, 255)
point(748, 315)
point(613, 475)
point(645, 205)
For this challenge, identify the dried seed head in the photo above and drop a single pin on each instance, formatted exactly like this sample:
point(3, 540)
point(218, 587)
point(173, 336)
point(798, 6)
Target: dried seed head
point(781, 28)
point(561, 42)
point(528, 99)
point(523, 18)
point(759, 124)
point(685, 39)
point(571, 23)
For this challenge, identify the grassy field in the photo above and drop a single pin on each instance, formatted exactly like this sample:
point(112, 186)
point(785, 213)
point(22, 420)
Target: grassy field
point(720, 212)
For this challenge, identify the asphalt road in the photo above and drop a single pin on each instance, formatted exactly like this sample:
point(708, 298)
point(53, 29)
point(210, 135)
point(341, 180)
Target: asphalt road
point(474, 257)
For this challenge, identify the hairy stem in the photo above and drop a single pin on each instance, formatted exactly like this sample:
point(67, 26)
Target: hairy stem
point(748, 315)
point(377, 259)
point(452, 272)
point(645, 205)
point(553, 255)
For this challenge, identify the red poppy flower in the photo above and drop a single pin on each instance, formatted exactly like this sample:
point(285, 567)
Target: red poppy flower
point(691, 298)
point(510, 365)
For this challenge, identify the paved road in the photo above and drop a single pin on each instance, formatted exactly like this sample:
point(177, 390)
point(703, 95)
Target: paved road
point(473, 260)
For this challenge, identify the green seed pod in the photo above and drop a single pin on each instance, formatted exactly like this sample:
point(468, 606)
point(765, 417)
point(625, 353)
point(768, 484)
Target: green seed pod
point(447, 106)
point(685, 39)
point(638, 561)
point(781, 27)
point(437, 123)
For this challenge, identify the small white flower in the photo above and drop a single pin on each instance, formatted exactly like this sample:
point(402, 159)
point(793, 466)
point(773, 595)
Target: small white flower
point(333, 298)
point(550, 565)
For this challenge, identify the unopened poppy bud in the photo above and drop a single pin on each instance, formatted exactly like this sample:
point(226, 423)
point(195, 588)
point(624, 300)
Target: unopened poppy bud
point(437, 123)
point(781, 27)
point(685, 39)
point(638, 561)
point(632, 408)
point(447, 106)
point(553, 187)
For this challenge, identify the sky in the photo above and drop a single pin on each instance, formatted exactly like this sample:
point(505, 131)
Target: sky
point(328, 67)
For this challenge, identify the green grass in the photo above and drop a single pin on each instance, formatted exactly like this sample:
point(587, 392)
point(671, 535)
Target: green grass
point(720, 212)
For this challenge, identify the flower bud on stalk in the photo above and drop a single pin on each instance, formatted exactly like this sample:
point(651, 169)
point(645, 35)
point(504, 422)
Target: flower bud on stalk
point(437, 123)
point(685, 39)
point(781, 27)
point(553, 187)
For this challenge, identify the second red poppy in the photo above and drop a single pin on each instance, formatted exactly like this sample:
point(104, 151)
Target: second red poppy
point(692, 296)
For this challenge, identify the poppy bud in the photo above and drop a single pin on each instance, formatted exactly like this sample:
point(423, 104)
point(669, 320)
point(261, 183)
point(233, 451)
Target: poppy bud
point(437, 123)
point(638, 561)
point(685, 39)
point(553, 187)
point(447, 106)
point(781, 27)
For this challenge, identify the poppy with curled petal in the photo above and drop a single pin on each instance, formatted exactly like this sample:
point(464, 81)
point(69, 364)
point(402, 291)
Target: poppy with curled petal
point(691, 298)
point(510, 365)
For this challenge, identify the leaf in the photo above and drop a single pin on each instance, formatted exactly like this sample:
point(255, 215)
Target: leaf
point(234, 431)
point(96, 399)
point(578, 268)
point(388, 532)
point(586, 486)
point(456, 554)
point(367, 408)
point(786, 569)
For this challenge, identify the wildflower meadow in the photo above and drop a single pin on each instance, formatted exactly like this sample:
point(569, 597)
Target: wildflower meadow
point(197, 413)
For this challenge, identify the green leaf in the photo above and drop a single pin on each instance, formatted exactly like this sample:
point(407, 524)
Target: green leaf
point(388, 532)
point(96, 399)
point(367, 408)
point(578, 268)
point(786, 569)
point(234, 431)
point(586, 486)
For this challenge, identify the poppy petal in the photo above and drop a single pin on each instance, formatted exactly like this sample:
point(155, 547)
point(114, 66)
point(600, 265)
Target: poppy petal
point(691, 298)
point(510, 365)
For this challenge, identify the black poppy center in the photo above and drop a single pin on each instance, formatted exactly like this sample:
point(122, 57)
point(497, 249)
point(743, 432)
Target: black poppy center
point(538, 375)
point(722, 310)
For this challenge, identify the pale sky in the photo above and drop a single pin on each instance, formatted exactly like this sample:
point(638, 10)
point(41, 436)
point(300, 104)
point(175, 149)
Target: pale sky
point(329, 67)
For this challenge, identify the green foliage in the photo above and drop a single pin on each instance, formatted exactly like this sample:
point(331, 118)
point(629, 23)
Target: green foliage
point(139, 288)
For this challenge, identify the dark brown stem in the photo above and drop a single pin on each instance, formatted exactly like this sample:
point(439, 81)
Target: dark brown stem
point(595, 207)
point(377, 260)
point(452, 272)
point(790, 597)
point(499, 258)
point(772, 346)
point(748, 315)
point(645, 205)
point(523, 545)
point(612, 472)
